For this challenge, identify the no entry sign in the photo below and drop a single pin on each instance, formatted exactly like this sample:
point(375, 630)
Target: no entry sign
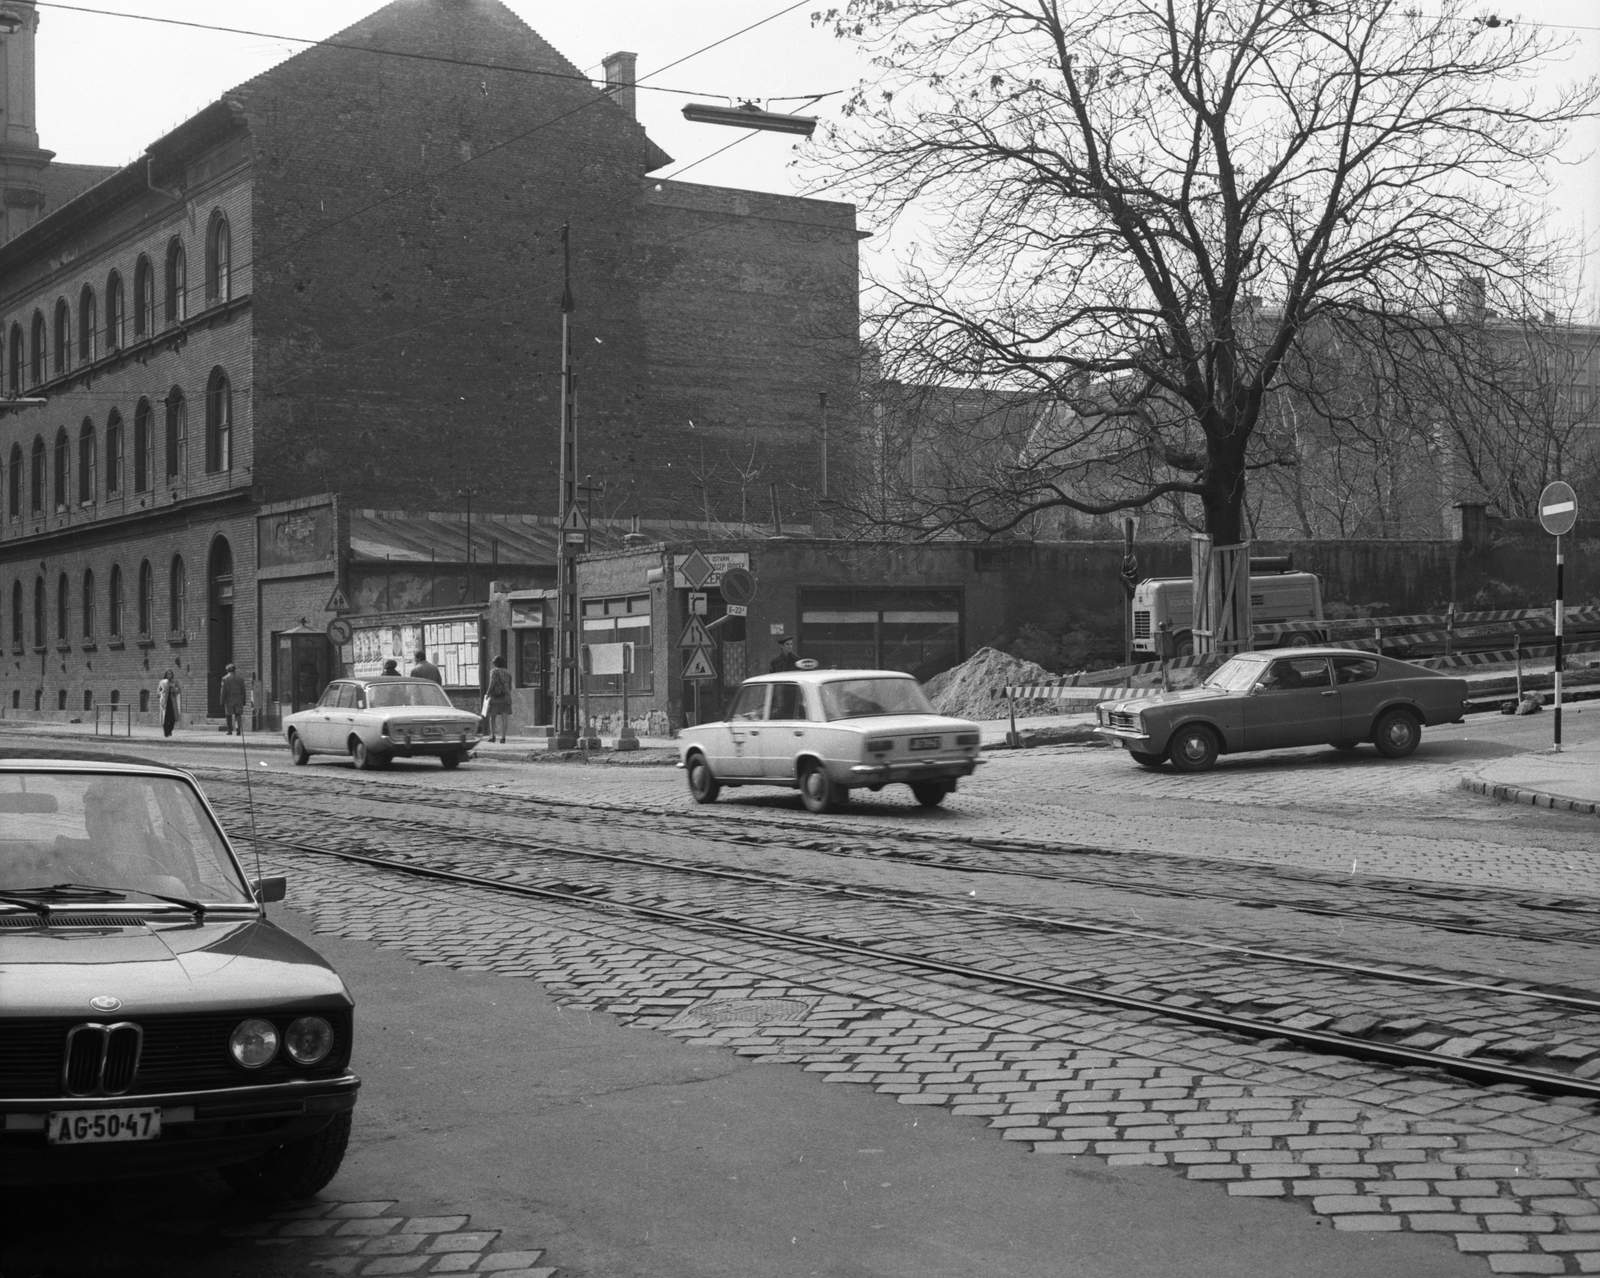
point(1558, 508)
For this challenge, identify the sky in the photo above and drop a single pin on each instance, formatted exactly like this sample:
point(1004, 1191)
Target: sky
point(108, 86)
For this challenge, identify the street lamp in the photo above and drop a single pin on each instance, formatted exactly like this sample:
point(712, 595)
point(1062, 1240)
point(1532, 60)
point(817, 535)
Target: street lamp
point(747, 115)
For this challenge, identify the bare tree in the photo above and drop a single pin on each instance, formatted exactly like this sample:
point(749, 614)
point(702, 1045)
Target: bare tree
point(1138, 211)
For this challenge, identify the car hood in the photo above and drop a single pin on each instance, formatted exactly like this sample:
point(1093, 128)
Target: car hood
point(161, 966)
point(884, 724)
point(1155, 700)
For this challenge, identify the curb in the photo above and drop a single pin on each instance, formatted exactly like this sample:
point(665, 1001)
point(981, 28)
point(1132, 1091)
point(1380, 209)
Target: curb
point(1529, 798)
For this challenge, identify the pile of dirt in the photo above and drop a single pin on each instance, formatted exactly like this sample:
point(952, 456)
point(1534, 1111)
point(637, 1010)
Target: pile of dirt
point(976, 688)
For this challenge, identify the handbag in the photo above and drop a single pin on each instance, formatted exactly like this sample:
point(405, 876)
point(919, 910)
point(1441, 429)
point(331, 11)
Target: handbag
point(483, 713)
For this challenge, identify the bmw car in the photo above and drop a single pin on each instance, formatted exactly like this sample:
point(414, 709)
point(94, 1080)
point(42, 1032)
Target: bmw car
point(376, 720)
point(152, 1018)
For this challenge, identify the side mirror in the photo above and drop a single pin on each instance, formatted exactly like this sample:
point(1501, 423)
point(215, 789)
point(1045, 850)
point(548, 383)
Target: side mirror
point(270, 889)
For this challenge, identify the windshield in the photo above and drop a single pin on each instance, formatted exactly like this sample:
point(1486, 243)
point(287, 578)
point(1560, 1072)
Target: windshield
point(862, 698)
point(381, 696)
point(132, 833)
point(1236, 674)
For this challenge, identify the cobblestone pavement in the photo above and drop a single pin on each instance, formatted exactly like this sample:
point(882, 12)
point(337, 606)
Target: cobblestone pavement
point(1510, 1176)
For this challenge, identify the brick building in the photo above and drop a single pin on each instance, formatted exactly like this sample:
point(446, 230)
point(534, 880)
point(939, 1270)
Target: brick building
point(337, 288)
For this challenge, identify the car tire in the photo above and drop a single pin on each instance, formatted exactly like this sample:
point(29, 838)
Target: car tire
point(450, 759)
point(929, 794)
point(1194, 748)
point(1346, 746)
point(1183, 644)
point(703, 784)
point(298, 751)
point(363, 756)
point(1396, 734)
point(818, 791)
point(1297, 639)
point(1147, 760)
point(296, 1170)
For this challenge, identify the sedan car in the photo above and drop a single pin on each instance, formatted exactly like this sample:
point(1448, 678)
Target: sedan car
point(826, 732)
point(382, 718)
point(1286, 697)
point(152, 1019)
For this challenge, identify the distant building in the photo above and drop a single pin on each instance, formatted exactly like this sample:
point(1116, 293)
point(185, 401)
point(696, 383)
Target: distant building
point(336, 289)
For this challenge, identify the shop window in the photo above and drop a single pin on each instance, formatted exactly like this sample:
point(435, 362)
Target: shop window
point(530, 658)
point(917, 631)
point(608, 627)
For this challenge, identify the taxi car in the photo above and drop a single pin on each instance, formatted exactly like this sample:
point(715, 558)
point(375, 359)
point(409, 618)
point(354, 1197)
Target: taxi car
point(152, 1019)
point(382, 718)
point(826, 732)
point(1284, 697)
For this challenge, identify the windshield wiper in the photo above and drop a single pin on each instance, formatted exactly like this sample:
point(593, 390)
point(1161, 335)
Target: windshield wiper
point(93, 891)
point(27, 903)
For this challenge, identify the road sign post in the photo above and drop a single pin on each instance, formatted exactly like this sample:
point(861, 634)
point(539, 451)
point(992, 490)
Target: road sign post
point(1558, 512)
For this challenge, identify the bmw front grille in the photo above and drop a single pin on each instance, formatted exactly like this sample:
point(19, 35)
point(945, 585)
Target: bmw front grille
point(101, 1060)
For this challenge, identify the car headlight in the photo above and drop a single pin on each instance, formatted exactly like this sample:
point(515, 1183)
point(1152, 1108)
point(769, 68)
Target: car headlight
point(386, 727)
point(254, 1042)
point(880, 746)
point(309, 1039)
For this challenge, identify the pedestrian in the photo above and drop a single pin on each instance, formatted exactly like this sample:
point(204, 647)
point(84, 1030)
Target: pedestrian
point(497, 696)
point(391, 668)
point(168, 697)
point(233, 696)
point(785, 660)
point(425, 669)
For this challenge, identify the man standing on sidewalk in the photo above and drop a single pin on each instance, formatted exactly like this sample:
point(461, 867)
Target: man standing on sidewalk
point(425, 669)
point(167, 699)
point(233, 696)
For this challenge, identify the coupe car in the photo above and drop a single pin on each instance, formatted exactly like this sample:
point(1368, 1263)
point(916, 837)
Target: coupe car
point(826, 732)
point(1286, 697)
point(152, 1019)
point(382, 718)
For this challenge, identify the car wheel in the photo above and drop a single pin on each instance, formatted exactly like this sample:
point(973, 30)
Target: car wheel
point(1396, 734)
point(296, 1170)
point(818, 792)
point(703, 784)
point(1193, 749)
point(363, 757)
point(450, 759)
point(1299, 639)
point(1344, 745)
point(1147, 760)
point(930, 794)
point(1183, 644)
point(298, 751)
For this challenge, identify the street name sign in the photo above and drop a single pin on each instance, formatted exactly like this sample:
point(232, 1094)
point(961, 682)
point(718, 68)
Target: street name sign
point(700, 570)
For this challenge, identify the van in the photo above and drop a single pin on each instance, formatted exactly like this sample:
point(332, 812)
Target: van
point(1274, 597)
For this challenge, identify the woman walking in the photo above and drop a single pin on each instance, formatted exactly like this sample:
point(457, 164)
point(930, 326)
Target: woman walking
point(167, 697)
point(498, 694)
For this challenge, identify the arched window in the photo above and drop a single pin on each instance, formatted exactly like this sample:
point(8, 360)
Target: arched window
point(36, 477)
point(63, 336)
point(177, 301)
point(144, 298)
point(17, 629)
point(14, 486)
point(147, 597)
point(114, 312)
point(88, 604)
point(63, 468)
point(86, 451)
point(16, 356)
point(36, 356)
point(177, 434)
point(144, 447)
point(114, 600)
point(219, 422)
point(219, 259)
point(175, 603)
point(63, 625)
point(113, 453)
point(38, 612)
point(87, 331)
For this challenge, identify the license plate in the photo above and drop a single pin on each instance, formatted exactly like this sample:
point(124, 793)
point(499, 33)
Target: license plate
point(924, 743)
point(97, 1126)
point(430, 732)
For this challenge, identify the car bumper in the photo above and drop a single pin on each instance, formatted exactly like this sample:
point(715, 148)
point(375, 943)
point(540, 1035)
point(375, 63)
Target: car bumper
point(426, 749)
point(198, 1130)
point(907, 771)
point(1127, 738)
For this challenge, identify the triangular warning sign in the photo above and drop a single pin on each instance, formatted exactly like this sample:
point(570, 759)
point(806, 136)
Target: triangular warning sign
point(699, 666)
point(337, 601)
point(575, 522)
point(695, 635)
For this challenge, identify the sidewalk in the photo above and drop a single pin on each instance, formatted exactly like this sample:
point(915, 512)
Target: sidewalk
point(1569, 781)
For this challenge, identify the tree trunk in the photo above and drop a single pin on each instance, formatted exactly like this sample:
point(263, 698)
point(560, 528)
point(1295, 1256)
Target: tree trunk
point(1222, 485)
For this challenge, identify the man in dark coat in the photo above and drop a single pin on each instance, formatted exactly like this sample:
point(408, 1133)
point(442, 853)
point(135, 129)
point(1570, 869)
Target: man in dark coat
point(785, 660)
point(425, 669)
point(233, 699)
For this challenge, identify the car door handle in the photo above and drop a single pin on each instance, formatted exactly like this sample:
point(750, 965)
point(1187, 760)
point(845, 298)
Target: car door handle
point(1331, 692)
point(755, 732)
point(799, 732)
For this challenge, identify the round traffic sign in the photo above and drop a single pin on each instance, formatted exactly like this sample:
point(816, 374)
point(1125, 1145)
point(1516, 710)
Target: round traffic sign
point(1558, 508)
point(339, 631)
point(737, 585)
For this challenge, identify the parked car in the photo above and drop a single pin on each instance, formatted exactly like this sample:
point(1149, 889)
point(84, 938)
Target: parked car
point(826, 732)
point(383, 718)
point(152, 1019)
point(1286, 697)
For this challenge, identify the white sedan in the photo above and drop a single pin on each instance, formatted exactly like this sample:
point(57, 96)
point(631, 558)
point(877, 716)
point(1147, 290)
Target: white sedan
point(376, 720)
point(825, 732)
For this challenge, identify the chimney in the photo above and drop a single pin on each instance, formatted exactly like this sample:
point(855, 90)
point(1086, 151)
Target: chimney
point(22, 161)
point(621, 71)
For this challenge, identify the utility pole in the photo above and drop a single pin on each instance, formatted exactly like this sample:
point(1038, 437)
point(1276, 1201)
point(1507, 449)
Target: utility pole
point(823, 397)
point(564, 731)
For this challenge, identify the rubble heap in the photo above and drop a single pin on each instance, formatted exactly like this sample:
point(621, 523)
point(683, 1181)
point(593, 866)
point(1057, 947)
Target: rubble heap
point(976, 688)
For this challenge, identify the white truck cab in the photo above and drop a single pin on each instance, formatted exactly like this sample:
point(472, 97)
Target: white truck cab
point(1274, 596)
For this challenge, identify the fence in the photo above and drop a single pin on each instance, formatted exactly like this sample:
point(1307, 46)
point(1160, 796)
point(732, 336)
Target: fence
point(110, 711)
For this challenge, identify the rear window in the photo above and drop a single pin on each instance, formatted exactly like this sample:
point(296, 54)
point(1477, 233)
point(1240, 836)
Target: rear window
point(867, 698)
point(384, 696)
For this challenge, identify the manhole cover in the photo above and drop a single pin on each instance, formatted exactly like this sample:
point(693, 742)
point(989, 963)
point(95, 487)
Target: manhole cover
point(745, 1011)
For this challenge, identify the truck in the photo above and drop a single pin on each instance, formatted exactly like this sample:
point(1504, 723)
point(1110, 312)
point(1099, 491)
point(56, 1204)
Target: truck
point(1274, 597)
